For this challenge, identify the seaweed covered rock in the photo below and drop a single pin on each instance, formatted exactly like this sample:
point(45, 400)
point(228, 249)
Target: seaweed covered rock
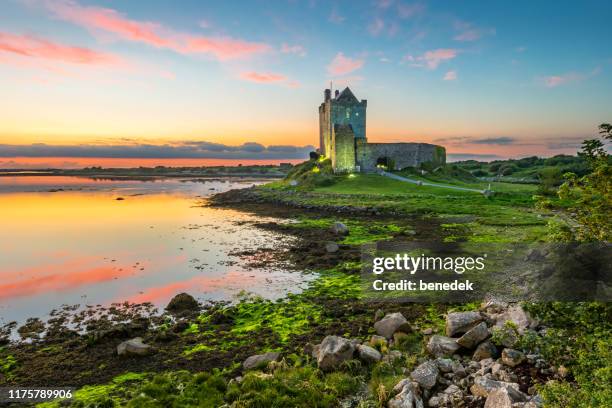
point(260, 360)
point(182, 302)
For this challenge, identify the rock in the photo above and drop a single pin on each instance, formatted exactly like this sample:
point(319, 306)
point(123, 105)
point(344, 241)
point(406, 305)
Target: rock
point(368, 354)
point(426, 374)
point(390, 324)
point(427, 332)
point(440, 346)
point(378, 315)
point(133, 347)
point(408, 397)
point(485, 350)
point(260, 360)
point(458, 369)
point(483, 386)
point(450, 397)
point(378, 341)
point(392, 356)
point(339, 228)
point(461, 322)
point(511, 357)
point(331, 247)
point(474, 336)
point(182, 302)
point(518, 316)
point(493, 306)
point(333, 351)
point(498, 399)
point(444, 364)
point(293, 183)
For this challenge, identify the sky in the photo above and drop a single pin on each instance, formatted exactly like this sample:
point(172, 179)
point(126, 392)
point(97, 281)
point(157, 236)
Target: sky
point(138, 81)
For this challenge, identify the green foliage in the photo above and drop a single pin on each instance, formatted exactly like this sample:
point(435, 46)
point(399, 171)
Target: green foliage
point(550, 178)
point(290, 387)
point(591, 195)
point(578, 336)
point(181, 389)
point(7, 365)
point(285, 318)
point(311, 173)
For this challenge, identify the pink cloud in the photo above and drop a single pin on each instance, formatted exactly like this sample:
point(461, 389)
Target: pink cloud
point(431, 59)
point(342, 65)
point(151, 33)
point(556, 80)
point(34, 47)
point(450, 76)
point(293, 49)
point(262, 78)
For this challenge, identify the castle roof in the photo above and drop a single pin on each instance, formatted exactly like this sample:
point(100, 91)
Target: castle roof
point(347, 96)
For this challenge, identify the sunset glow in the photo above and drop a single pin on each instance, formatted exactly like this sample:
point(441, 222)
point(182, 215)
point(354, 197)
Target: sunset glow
point(95, 73)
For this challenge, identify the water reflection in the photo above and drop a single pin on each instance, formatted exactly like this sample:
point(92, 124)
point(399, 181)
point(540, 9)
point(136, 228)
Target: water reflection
point(80, 244)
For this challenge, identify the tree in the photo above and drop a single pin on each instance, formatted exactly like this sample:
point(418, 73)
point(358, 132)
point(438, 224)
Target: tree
point(591, 195)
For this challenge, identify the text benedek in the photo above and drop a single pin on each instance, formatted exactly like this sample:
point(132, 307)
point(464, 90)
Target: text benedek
point(406, 285)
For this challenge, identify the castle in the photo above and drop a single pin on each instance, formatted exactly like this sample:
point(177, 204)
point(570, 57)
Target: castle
point(342, 132)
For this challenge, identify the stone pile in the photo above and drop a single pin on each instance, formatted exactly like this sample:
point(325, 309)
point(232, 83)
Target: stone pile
point(465, 367)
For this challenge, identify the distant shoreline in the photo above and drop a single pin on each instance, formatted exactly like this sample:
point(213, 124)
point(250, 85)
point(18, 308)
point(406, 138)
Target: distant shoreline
point(255, 171)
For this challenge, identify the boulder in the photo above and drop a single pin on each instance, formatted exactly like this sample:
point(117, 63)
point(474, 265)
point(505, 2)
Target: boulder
point(134, 347)
point(511, 357)
point(444, 364)
point(461, 322)
point(260, 360)
point(440, 346)
point(368, 354)
point(339, 228)
point(390, 324)
point(331, 247)
point(333, 351)
point(518, 316)
point(458, 369)
point(485, 350)
point(483, 386)
point(474, 336)
point(499, 399)
point(407, 397)
point(182, 302)
point(378, 315)
point(426, 374)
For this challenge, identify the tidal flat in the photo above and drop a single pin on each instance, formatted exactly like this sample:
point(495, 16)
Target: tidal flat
point(195, 355)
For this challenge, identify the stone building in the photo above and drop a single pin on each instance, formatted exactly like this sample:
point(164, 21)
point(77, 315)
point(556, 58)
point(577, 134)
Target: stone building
point(342, 138)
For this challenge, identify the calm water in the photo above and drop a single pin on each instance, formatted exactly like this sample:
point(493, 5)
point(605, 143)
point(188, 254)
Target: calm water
point(68, 240)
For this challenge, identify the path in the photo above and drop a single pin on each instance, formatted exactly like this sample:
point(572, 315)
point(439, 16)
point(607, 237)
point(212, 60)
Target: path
point(426, 183)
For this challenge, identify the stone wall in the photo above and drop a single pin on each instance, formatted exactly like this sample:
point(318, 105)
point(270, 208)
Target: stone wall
point(343, 155)
point(402, 154)
point(350, 114)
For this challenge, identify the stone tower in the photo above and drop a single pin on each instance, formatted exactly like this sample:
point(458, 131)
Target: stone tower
point(344, 113)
